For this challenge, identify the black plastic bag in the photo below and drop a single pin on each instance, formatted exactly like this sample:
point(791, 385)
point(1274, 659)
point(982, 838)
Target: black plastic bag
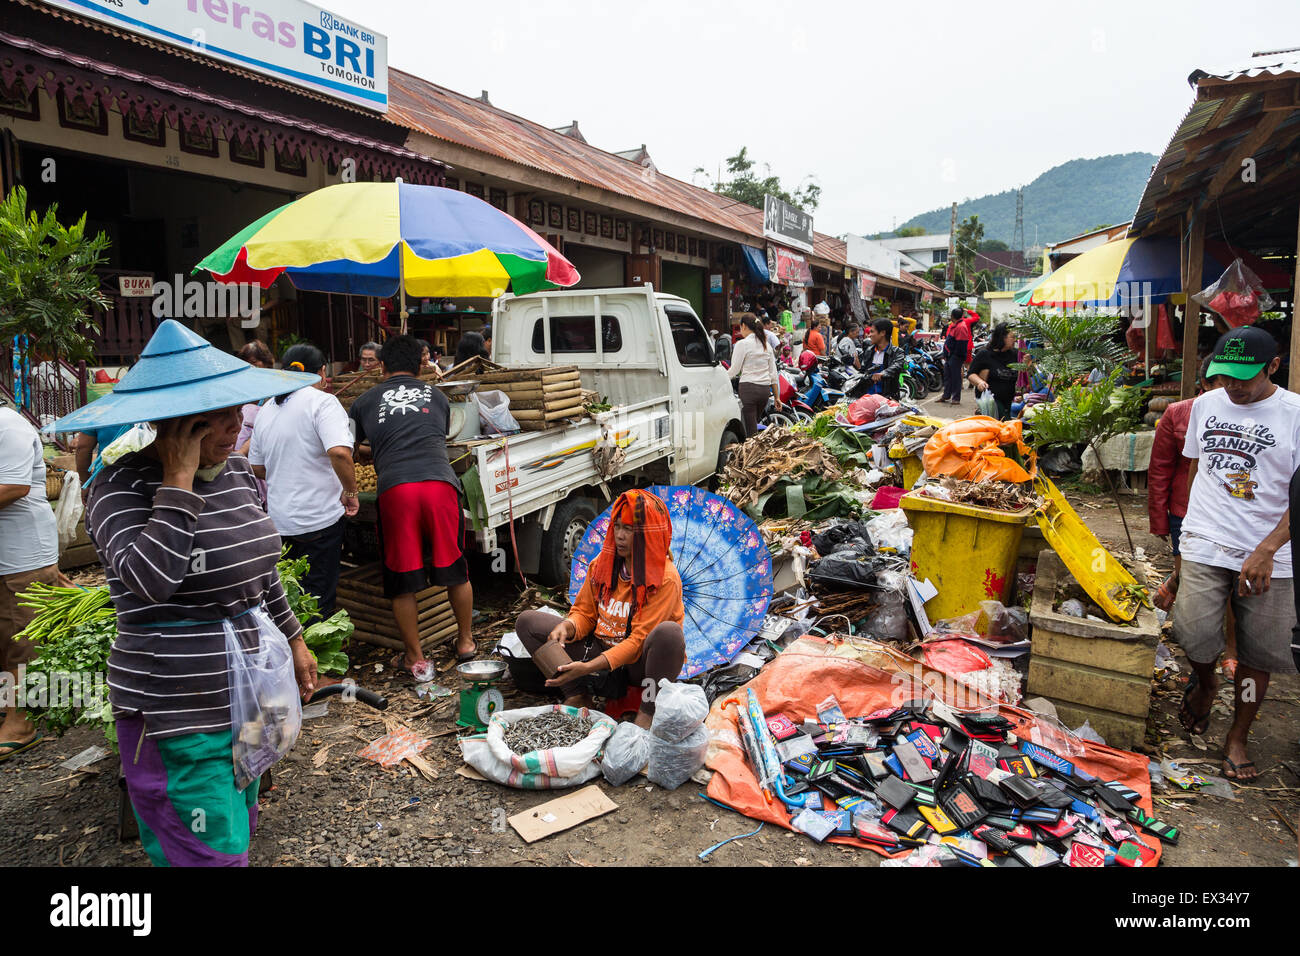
point(839, 535)
point(850, 568)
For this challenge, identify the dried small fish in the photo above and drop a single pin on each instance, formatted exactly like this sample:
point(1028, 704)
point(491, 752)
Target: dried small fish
point(547, 731)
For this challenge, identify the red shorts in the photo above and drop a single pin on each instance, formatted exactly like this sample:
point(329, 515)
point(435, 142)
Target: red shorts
point(421, 527)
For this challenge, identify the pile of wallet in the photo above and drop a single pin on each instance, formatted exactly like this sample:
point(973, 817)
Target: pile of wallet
point(922, 774)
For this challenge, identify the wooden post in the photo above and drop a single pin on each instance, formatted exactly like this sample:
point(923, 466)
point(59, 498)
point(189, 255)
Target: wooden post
point(1293, 375)
point(1193, 248)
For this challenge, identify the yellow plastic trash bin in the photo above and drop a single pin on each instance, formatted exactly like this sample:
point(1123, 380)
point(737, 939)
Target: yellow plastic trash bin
point(967, 552)
point(911, 464)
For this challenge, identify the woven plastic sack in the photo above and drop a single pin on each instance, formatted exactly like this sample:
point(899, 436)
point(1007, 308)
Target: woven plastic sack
point(1237, 295)
point(538, 769)
point(673, 763)
point(626, 754)
point(680, 709)
point(973, 449)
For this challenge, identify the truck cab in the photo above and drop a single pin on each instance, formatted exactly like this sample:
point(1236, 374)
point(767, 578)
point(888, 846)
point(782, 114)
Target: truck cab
point(673, 410)
point(649, 345)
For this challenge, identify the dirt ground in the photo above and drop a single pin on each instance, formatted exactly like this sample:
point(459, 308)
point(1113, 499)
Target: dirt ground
point(330, 807)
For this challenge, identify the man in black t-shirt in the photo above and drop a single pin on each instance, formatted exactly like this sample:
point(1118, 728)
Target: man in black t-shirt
point(405, 420)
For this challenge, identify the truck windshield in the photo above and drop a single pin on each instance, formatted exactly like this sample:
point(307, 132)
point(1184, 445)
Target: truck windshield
point(577, 333)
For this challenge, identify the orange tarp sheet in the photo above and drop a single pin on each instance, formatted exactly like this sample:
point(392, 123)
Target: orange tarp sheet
point(865, 676)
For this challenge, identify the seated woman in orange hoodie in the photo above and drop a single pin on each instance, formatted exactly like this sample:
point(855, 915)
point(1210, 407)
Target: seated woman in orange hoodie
point(628, 615)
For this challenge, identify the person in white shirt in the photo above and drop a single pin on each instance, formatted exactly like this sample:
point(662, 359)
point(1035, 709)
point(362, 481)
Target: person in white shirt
point(754, 362)
point(302, 446)
point(1244, 443)
point(29, 552)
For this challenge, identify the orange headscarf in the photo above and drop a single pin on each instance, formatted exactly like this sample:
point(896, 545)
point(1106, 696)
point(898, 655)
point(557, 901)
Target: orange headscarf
point(653, 535)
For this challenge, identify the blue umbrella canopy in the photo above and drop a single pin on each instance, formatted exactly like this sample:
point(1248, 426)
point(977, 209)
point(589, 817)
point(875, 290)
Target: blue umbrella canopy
point(724, 565)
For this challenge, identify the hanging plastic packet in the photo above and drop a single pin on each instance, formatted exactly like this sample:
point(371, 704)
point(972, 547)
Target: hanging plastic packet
point(1238, 295)
point(265, 709)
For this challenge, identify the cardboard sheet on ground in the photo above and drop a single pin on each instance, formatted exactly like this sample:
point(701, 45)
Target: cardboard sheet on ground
point(865, 676)
point(560, 814)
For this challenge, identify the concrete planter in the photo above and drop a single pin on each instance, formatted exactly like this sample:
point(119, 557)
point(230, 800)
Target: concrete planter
point(1099, 672)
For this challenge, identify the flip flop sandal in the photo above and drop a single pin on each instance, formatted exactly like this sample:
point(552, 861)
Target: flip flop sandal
point(1189, 721)
point(1237, 768)
point(11, 748)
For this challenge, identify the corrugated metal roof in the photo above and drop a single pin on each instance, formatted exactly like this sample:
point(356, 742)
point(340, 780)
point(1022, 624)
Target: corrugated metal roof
point(447, 115)
point(1197, 169)
point(1275, 64)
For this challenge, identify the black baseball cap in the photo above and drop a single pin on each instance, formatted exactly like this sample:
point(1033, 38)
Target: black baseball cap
point(1242, 353)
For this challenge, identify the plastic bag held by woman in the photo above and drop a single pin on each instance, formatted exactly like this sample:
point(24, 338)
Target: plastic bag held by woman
point(265, 709)
point(973, 449)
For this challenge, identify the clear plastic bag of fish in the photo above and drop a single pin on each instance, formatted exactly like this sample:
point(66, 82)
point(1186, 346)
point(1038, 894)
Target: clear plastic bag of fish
point(265, 708)
point(626, 754)
point(680, 709)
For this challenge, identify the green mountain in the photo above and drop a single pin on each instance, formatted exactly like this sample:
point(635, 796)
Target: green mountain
point(1064, 201)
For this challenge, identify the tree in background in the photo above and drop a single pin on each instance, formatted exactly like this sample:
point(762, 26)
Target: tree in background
point(747, 187)
point(48, 285)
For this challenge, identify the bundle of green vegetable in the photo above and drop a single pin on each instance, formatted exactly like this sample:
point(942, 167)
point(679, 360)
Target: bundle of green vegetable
point(324, 638)
point(73, 631)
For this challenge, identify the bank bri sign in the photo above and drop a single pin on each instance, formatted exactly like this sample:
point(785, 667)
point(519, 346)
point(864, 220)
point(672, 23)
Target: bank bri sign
point(290, 40)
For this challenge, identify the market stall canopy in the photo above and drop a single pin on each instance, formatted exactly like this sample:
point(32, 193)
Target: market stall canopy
point(756, 265)
point(724, 565)
point(1127, 271)
point(382, 238)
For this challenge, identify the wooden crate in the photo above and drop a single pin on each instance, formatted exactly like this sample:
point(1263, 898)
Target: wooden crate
point(1094, 671)
point(361, 594)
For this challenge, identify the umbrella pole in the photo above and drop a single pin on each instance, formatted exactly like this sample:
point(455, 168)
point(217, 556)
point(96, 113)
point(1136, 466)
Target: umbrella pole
point(401, 287)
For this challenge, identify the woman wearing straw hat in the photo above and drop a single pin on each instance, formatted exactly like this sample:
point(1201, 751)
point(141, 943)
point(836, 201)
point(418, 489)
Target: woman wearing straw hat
point(186, 547)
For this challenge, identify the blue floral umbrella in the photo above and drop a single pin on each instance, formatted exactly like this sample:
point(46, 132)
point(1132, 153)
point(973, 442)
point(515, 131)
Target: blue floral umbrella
point(724, 565)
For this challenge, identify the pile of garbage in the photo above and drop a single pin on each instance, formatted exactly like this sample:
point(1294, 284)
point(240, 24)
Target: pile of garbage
point(962, 787)
point(774, 455)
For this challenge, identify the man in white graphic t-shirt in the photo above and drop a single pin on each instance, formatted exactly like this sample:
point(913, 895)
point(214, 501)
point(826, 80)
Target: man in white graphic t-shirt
point(1244, 443)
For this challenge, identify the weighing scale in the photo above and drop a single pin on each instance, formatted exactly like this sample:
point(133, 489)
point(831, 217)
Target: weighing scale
point(480, 700)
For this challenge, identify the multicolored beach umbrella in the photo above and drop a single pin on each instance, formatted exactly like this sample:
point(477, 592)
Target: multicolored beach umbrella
point(725, 567)
point(383, 239)
point(1126, 271)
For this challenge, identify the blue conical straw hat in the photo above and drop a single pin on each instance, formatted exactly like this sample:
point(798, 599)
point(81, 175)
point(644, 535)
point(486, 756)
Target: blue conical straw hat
point(181, 373)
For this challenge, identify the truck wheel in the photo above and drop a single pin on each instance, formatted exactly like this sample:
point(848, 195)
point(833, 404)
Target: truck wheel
point(568, 525)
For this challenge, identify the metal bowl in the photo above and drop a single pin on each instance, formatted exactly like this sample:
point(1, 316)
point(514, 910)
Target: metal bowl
point(481, 670)
point(456, 388)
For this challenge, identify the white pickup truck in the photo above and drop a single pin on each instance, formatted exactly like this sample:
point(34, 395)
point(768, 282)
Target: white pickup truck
point(673, 413)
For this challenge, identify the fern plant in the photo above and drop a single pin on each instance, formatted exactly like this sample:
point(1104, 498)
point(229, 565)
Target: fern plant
point(1089, 414)
point(1067, 346)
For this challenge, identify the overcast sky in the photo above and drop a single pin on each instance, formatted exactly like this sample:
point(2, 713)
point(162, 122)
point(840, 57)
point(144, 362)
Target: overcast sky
point(894, 108)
